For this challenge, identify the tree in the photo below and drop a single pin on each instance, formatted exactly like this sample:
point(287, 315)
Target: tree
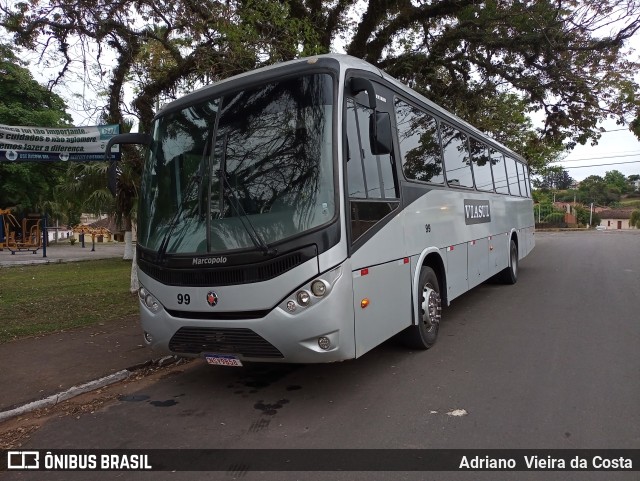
point(595, 189)
point(554, 178)
point(23, 101)
point(584, 216)
point(27, 187)
point(634, 221)
point(616, 179)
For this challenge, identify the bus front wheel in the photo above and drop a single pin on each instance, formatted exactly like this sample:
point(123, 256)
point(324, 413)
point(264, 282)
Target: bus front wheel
point(424, 334)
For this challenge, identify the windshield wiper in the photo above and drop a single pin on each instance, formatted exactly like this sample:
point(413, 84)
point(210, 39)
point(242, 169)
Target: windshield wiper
point(239, 210)
point(195, 178)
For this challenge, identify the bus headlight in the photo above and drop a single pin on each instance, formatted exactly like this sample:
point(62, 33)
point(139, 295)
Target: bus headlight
point(319, 288)
point(313, 292)
point(303, 298)
point(148, 299)
point(142, 293)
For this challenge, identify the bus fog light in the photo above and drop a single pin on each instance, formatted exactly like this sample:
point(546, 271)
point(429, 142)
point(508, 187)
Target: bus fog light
point(142, 293)
point(148, 337)
point(318, 288)
point(324, 343)
point(291, 306)
point(303, 298)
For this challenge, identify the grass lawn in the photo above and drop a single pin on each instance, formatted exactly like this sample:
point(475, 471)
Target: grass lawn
point(51, 297)
point(630, 203)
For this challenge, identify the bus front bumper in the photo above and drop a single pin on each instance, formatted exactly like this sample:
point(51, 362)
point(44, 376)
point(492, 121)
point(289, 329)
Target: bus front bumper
point(322, 332)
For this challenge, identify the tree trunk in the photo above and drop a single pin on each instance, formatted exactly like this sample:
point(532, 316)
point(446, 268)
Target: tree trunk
point(128, 246)
point(134, 273)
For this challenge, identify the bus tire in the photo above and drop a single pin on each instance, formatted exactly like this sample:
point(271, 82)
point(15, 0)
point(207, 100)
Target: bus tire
point(509, 275)
point(424, 334)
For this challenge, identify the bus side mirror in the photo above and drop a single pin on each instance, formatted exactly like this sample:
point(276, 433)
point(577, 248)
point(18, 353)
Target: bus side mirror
point(140, 139)
point(380, 133)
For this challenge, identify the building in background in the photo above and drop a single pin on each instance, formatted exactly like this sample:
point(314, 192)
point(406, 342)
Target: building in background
point(615, 218)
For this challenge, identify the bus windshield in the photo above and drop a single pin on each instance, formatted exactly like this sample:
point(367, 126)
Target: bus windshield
point(255, 163)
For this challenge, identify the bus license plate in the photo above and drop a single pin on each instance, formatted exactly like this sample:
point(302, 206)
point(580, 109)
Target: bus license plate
point(222, 360)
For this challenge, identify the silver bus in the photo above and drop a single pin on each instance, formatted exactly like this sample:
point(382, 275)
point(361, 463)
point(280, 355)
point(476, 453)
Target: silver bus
point(308, 211)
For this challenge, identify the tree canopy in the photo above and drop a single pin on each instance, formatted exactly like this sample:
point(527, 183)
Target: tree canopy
point(553, 178)
point(23, 101)
point(605, 190)
point(490, 62)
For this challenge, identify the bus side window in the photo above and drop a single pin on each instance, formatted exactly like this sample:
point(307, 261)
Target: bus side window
point(522, 178)
point(456, 157)
point(369, 177)
point(481, 165)
point(499, 173)
point(419, 144)
point(512, 176)
point(526, 172)
point(378, 172)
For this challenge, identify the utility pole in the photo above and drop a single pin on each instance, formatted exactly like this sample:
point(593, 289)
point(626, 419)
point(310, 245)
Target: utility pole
point(591, 214)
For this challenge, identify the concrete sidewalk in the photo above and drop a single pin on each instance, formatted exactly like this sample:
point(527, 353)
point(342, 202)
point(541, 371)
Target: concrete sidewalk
point(62, 252)
point(38, 367)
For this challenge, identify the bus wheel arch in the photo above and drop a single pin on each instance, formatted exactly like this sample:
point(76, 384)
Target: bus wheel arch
point(430, 292)
point(435, 262)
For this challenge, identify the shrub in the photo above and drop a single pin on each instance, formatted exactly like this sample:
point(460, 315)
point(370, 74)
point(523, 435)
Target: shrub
point(555, 218)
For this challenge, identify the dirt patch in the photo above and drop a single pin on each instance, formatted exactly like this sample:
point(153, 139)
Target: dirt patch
point(17, 431)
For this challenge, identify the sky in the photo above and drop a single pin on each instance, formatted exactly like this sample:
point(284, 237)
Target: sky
point(616, 146)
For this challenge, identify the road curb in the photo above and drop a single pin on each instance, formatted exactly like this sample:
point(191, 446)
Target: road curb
point(84, 388)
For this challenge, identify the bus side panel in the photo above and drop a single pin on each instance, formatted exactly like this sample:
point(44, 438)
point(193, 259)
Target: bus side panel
point(387, 287)
point(478, 252)
point(498, 252)
point(532, 238)
point(457, 280)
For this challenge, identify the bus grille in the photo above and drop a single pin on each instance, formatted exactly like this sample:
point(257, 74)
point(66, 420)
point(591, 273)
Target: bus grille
point(195, 340)
point(226, 276)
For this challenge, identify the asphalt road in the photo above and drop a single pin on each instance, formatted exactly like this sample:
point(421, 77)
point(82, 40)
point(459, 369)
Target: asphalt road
point(551, 362)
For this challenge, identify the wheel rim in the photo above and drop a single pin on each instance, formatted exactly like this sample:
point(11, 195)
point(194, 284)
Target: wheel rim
point(514, 262)
point(430, 307)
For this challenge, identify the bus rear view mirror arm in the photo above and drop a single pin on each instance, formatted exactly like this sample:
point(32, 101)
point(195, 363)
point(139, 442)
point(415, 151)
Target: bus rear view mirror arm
point(358, 84)
point(137, 138)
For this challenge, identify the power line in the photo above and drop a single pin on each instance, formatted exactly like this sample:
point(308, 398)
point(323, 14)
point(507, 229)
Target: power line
point(599, 158)
point(613, 130)
point(601, 165)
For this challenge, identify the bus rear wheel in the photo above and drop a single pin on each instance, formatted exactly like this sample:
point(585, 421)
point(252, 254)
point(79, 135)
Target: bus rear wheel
point(509, 275)
point(424, 334)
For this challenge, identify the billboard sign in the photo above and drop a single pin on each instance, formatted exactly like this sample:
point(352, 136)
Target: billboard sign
point(38, 144)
